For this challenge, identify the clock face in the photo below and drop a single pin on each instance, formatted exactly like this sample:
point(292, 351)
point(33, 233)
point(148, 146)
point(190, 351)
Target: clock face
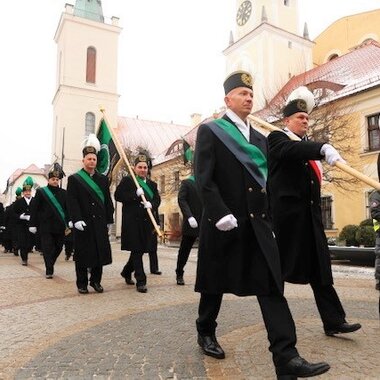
point(244, 12)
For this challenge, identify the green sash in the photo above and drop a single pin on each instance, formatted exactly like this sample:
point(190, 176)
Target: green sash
point(91, 184)
point(256, 155)
point(191, 178)
point(54, 203)
point(147, 190)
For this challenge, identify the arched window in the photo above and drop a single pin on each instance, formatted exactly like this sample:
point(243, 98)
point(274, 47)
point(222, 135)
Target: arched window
point(90, 123)
point(91, 65)
point(332, 56)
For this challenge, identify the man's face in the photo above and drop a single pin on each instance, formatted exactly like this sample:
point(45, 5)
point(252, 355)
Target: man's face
point(89, 162)
point(240, 101)
point(298, 123)
point(27, 193)
point(141, 169)
point(53, 181)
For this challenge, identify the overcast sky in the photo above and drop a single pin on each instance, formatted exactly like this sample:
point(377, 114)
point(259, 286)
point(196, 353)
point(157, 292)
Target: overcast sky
point(170, 63)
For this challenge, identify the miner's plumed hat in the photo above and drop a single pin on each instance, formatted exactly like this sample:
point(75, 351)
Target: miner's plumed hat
point(18, 191)
point(142, 157)
point(237, 79)
point(299, 100)
point(91, 144)
point(28, 183)
point(56, 171)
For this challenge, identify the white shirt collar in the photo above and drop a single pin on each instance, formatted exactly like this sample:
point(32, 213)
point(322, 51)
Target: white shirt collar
point(243, 126)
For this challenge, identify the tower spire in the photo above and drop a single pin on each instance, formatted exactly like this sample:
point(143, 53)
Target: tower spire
point(90, 9)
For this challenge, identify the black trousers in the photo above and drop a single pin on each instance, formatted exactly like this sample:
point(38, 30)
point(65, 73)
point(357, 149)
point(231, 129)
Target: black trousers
point(135, 263)
point(329, 305)
point(277, 319)
point(153, 259)
point(51, 244)
point(184, 252)
point(82, 275)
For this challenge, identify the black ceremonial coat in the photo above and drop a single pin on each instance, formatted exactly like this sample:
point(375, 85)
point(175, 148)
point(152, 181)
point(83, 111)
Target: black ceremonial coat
point(137, 231)
point(245, 260)
point(44, 216)
point(24, 237)
point(295, 199)
point(190, 205)
point(92, 247)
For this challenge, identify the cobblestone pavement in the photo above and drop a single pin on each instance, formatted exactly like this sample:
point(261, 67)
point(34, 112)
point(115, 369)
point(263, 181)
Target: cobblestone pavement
point(49, 331)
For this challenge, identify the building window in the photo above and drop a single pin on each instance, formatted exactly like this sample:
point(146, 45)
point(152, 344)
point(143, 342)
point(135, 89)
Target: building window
point(286, 3)
point(162, 184)
point(174, 221)
point(290, 44)
point(176, 180)
point(332, 56)
point(373, 132)
point(367, 208)
point(326, 202)
point(90, 123)
point(91, 65)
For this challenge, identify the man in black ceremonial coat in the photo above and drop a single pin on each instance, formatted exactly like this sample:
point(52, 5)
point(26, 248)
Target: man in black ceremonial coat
point(137, 231)
point(295, 194)
point(237, 249)
point(91, 212)
point(49, 217)
point(21, 210)
point(191, 208)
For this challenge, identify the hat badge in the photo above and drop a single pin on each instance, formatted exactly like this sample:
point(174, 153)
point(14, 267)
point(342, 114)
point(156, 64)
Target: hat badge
point(301, 105)
point(246, 79)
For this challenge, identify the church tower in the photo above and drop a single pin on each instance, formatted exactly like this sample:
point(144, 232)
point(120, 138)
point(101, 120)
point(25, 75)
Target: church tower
point(86, 80)
point(266, 43)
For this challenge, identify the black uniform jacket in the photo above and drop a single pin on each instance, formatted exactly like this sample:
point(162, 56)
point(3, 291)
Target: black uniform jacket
point(245, 260)
point(44, 216)
point(190, 205)
point(137, 231)
point(295, 201)
point(20, 206)
point(92, 246)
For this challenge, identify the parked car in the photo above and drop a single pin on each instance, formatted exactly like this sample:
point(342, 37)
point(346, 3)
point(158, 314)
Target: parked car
point(363, 255)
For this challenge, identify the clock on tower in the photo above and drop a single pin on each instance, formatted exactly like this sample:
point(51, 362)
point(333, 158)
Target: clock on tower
point(244, 12)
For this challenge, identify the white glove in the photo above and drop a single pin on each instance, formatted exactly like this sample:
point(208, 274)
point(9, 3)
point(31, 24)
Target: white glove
point(331, 154)
point(193, 222)
point(227, 223)
point(2, 228)
point(80, 225)
point(147, 204)
point(139, 191)
point(70, 224)
point(25, 217)
point(109, 226)
point(33, 230)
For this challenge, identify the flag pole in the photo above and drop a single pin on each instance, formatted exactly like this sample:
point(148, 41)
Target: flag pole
point(130, 169)
point(344, 167)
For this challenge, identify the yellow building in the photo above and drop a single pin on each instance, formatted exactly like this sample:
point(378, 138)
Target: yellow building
point(346, 34)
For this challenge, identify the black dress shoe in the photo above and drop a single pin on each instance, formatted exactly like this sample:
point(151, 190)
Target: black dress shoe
point(180, 280)
point(156, 272)
point(141, 288)
point(210, 346)
point(98, 288)
point(342, 328)
point(83, 290)
point(127, 278)
point(299, 367)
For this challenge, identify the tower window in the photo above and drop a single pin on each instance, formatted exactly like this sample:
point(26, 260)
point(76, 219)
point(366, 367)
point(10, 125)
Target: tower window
point(91, 65)
point(90, 123)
